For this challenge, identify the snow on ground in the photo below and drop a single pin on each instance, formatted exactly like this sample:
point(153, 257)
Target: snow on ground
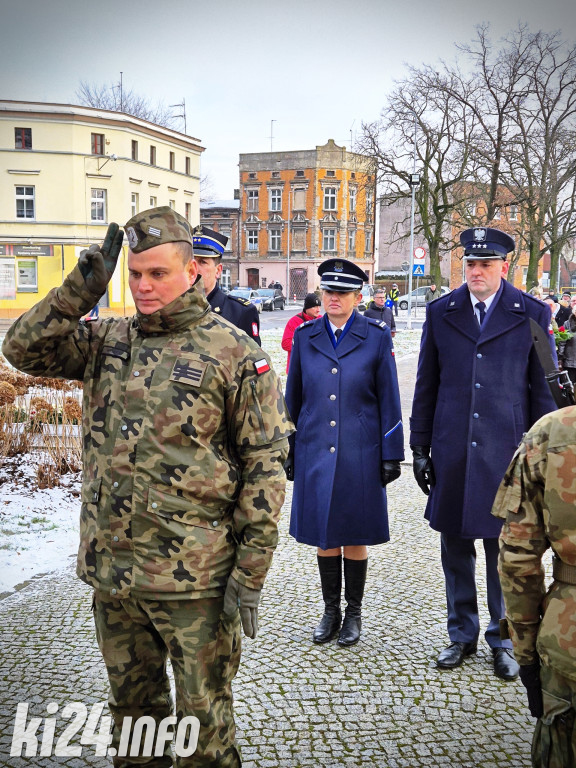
point(39, 528)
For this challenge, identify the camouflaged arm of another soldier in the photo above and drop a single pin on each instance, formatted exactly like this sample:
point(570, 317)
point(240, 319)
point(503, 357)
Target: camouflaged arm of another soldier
point(47, 340)
point(259, 425)
point(523, 542)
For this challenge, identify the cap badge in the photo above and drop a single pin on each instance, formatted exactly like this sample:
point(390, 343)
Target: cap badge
point(338, 266)
point(479, 234)
point(132, 237)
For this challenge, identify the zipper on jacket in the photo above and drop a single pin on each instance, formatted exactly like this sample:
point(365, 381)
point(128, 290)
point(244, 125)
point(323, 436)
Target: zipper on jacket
point(258, 412)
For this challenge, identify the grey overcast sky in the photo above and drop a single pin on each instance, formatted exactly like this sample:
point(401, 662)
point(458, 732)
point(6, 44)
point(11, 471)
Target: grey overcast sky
point(315, 67)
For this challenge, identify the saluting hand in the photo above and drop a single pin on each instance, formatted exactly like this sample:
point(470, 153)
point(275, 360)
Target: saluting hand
point(97, 263)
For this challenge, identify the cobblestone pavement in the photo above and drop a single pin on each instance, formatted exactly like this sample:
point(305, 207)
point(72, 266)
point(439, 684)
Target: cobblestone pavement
point(380, 703)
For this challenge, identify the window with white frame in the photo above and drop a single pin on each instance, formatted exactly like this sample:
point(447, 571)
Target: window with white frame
point(98, 205)
point(471, 209)
point(252, 199)
point(352, 194)
point(275, 239)
point(497, 213)
point(330, 198)
point(351, 239)
point(513, 213)
point(275, 199)
point(227, 232)
point(172, 204)
point(328, 239)
point(252, 239)
point(187, 211)
point(134, 203)
point(225, 278)
point(25, 203)
point(299, 199)
point(153, 201)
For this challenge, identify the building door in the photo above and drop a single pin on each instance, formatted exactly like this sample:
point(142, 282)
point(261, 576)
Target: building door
point(298, 283)
point(253, 278)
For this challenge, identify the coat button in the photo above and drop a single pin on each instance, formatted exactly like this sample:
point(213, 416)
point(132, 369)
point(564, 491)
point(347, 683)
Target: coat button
point(154, 505)
point(113, 591)
point(136, 373)
point(332, 449)
point(476, 416)
point(115, 538)
point(124, 427)
point(332, 423)
point(474, 445)
point(477, 385)
point(114, 485)
point(479, 355)
point(332, 397)
point(334, 370)
point(215, 523)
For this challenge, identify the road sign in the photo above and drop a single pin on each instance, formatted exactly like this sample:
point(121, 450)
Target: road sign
point(418, 270)
point(419, 254)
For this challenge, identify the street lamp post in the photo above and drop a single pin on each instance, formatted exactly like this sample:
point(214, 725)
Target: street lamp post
point(288, 249)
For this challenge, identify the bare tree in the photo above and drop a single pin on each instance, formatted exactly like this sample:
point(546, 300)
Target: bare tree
point(117, 99)
point(206, 189)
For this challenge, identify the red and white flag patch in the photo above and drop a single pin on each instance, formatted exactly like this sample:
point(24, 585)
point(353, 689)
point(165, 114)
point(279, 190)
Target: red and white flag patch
point(254, 329)
point(261, 366)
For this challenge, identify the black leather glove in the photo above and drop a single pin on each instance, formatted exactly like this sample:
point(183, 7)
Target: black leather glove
point(423, 468)
point(530, 676)
point(289, 467)
point(97, 263)
point(389, 471)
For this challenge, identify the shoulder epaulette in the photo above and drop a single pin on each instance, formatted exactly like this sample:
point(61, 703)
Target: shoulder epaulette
point(378, 323)
point(240, 300)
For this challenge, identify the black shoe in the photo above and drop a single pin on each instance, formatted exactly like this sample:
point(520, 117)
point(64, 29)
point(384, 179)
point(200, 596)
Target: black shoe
point(505, 665)
point(354, 582)
point(328, 627)
point(454, 654)
point(331, 582)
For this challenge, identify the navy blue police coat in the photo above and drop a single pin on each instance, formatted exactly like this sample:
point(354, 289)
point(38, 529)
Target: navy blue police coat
point(477, 391)
point(346, 406)
point(240, 312)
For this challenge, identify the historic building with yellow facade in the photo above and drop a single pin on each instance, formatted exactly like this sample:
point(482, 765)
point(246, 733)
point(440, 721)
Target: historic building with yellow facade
point(299, 208)
point(68, 171)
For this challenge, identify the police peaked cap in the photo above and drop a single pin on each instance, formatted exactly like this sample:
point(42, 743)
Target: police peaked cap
point(486, 243)
point(207, 242)
point(341, 275)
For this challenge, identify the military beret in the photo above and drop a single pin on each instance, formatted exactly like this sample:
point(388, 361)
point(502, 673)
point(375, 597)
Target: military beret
point(486, 243)
point(341, 275)
point(207, 242)
point(157, 226)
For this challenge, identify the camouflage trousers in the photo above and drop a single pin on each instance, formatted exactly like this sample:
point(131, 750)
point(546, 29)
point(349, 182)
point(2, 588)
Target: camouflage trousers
point(554, 742)
point(136, 637)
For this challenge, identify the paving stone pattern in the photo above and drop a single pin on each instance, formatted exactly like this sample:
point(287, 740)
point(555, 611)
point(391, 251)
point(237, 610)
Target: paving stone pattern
point(380, 703)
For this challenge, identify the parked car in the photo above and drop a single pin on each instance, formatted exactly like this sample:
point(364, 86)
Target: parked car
point(249, 293)
point(367, 293)
point(273, 299)
point(418, 296)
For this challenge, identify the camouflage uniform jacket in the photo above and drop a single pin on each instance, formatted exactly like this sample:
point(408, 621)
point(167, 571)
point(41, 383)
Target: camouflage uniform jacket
point(537, 500)
point(185, 435)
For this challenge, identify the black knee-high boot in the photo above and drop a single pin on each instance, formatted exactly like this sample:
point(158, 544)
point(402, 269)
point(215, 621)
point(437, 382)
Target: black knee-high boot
point(331, 580)
point(354, 581)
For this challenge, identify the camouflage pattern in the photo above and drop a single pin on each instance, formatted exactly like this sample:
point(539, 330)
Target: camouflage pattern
point(157, 226)
point(537, 499)
point(203, 644)
point(185, 434)
point(554, 742)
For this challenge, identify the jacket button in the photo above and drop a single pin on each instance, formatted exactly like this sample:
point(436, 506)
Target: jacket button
point(113, 591)
point(474, 445)
point(332, 423)
point(334, 370)
point(215, 523)
point(477, 385)
point(136, 373)
point(124, 427)
point(154, 505)
point(476, 416)
point(115, 538)
point(114, 485)
point(479, 355)
point(332, 449)
point(332, 397)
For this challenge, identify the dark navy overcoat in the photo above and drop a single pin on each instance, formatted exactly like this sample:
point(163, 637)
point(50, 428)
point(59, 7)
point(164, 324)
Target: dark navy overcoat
point(346, 407)
point(477, 391)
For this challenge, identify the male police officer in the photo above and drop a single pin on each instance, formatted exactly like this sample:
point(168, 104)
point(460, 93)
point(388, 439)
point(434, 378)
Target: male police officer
point(185, 434)
point(208, 249)
point(536, 501)
point(479, 387)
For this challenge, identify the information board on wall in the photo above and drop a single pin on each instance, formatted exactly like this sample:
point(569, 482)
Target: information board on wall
point(7, 279)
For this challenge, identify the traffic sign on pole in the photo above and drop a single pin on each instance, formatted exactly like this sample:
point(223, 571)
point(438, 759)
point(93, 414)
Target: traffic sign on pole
point(418, 269)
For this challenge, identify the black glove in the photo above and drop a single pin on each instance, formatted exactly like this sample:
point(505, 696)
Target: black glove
point(423, 468)
point(389, 471)
point(530, 676)
point(289, 467)
point(97, 264)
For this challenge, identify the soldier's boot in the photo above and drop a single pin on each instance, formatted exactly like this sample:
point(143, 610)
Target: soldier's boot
point(331, 580)
point(354, 581)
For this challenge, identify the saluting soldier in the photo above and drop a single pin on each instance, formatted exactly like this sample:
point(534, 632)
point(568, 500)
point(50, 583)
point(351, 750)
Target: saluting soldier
point(208, 250)
point(479, 387)
point(185, 434)
point(342, 392)
point(536, 501)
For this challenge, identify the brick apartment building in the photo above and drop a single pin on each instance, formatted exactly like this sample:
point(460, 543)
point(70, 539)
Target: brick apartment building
point(224, 216)
point(299, 208)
